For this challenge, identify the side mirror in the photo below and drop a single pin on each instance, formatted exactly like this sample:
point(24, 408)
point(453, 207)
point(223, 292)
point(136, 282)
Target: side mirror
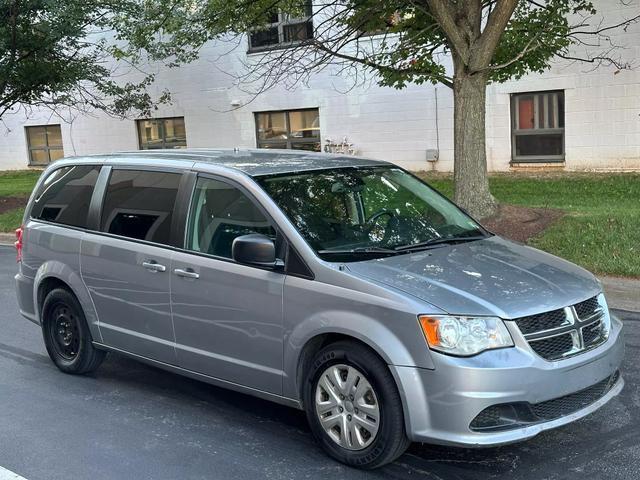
point(255, 249)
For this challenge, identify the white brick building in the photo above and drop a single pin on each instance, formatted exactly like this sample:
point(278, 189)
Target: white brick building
point(572, 117)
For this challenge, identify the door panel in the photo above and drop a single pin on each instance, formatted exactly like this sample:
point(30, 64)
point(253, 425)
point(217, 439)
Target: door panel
point(132, 300)
point(227, 316)
point(228, 322)
point(128, 271)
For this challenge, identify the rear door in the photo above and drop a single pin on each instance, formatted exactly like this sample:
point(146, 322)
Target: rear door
point(126, 266)
point(227, 316)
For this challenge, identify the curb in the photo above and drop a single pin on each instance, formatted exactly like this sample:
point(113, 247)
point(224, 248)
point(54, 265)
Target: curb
point(622, 293)
point(7, 238)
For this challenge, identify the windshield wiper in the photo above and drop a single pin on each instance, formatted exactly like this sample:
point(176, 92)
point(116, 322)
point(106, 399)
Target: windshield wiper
point(438, 241)
point(365, 250)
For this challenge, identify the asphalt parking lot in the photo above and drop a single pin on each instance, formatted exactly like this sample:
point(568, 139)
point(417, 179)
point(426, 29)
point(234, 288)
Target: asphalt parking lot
point(133, 421)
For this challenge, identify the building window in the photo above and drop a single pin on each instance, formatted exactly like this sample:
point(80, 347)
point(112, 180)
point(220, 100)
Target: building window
point(537, 121)
point(45, 144)
point(162, 133)
point(293, 129)
point(283, 29)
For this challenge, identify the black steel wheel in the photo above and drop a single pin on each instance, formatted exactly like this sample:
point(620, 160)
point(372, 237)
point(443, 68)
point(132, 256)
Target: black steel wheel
point(66, 334)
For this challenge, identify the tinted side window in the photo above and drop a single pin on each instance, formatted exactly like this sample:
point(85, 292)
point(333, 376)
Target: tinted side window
point(219, 213)
point(140, 204)
point(65, 195)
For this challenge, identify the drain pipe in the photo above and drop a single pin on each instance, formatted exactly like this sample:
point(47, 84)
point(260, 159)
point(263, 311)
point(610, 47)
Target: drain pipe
point(437, 157)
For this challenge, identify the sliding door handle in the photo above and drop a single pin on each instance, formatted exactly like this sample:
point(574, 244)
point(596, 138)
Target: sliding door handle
point(153, 266)
point(186, 273)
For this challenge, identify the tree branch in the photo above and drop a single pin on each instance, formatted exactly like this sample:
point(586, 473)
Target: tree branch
point(484, 48)
point(443, 12)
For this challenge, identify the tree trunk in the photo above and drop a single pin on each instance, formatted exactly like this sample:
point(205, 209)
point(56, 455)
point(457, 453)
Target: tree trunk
point(470, 154)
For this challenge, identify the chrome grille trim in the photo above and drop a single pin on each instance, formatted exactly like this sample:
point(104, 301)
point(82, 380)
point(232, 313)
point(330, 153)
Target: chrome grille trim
point(549, 343)
point(596, 314)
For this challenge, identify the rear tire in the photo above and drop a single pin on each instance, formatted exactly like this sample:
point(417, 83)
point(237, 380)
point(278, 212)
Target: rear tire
point(66, 334)
point(353, 406)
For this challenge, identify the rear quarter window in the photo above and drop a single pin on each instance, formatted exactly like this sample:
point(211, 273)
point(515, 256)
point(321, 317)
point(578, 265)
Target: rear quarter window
point(65, 195)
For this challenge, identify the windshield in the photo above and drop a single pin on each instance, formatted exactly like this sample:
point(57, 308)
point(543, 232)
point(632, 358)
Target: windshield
point(367, 211)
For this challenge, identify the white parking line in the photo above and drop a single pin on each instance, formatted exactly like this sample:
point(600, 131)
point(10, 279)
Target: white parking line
point(9, 475)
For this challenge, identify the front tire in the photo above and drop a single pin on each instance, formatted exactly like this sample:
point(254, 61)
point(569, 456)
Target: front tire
point(353, 406)
point(66, 334)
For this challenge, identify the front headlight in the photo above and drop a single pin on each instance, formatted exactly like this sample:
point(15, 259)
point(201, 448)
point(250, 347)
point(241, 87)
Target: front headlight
point(464, 336)
point(606, 317)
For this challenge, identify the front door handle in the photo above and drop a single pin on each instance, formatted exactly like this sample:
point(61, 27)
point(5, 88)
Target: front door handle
point(186, 273)
point(153, 266)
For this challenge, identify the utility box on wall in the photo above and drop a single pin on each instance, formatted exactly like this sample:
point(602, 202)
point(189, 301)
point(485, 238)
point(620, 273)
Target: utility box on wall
point(432, 155)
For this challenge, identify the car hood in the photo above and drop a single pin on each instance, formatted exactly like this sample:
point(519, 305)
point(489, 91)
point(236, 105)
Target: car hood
point(493, 276)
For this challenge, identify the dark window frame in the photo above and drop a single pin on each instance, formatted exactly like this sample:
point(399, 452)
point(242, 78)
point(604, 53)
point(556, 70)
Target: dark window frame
point(284, 20)
point(289, 141)
point(165, 144)
point(537, 130)
point(47, 148)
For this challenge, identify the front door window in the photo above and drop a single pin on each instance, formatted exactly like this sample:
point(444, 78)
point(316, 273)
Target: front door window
point(220, 213)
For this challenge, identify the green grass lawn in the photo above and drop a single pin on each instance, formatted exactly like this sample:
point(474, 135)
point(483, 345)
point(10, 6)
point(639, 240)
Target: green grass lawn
point(18, 183)
point(15, 184)
point(11, 220)
point(601, 231)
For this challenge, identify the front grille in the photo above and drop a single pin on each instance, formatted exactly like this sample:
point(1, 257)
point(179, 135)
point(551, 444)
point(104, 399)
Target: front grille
point(553, 348)
point(560, 407)
point(519, 414)
point(592, 333)
point(542, 321)
point(587, 308)
point(564, 332)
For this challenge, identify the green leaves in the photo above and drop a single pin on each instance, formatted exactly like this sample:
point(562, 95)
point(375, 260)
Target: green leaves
point(56, 54)
point(401, 41)
point(73, 52)
point(534, 36)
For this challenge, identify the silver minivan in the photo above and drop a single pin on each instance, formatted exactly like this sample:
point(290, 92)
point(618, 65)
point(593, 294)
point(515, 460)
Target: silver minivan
point(343, 286)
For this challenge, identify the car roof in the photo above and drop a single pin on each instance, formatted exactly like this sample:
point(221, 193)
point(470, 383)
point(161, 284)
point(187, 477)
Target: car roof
point(254, 162)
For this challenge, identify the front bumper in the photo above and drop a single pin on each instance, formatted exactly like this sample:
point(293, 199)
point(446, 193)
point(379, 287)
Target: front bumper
point(440, 404)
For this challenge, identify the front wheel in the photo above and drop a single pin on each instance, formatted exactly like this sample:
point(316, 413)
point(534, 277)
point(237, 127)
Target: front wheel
point(353, 406)
point(66, 334)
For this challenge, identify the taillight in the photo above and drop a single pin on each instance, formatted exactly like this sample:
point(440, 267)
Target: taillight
point(18, 244)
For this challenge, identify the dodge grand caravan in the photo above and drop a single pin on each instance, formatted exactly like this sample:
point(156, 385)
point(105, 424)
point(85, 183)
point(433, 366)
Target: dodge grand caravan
point(342, 286)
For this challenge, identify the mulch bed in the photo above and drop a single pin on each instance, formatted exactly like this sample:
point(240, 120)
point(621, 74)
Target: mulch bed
point(521, 223)
point(11, 203)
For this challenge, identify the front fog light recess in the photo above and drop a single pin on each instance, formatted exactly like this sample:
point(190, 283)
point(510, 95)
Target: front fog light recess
point(464, 335)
